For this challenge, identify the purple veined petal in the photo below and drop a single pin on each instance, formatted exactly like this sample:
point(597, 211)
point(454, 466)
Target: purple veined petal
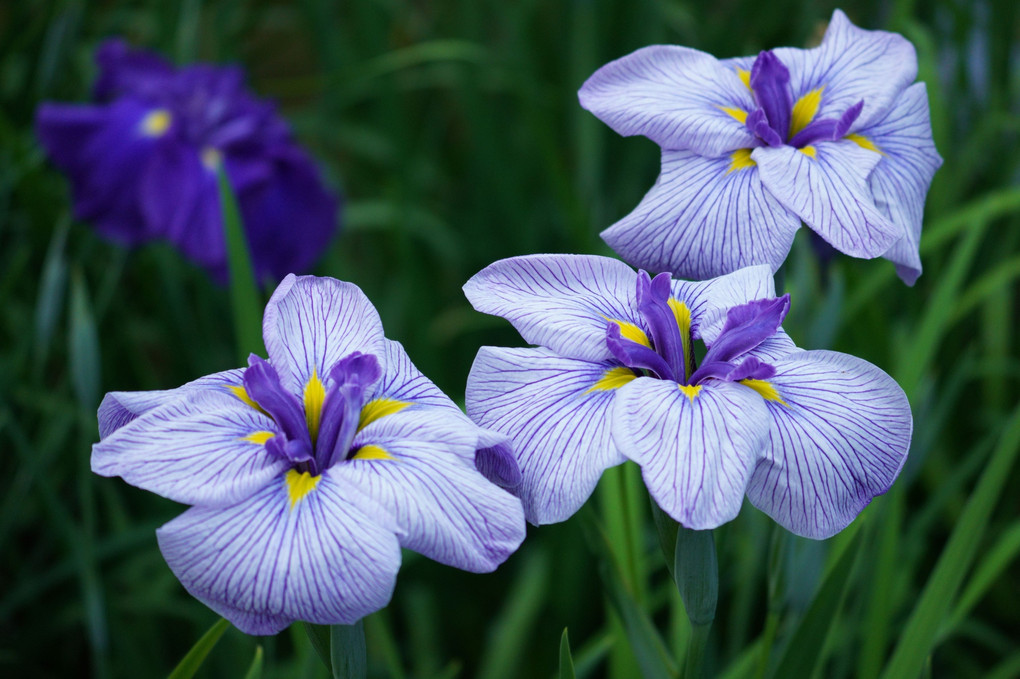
point(829, 191)
point(496, 462)
point(307, 550)
point(563, 302)
point(839, 438)
point(120, 407)
point(427, 479)
point(555, 412)
point(900, 181)
point(697, 446)
point(705, 217)
point(774, 348)
point(673, 95)
point(709, 300)
point(207, 448)
point(124, 70)
point(311, 323)
point(852, 64)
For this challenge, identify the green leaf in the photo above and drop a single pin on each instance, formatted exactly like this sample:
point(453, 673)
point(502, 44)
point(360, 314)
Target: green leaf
point(52, 287)
point(697, 574)
point(244, 294)
point(566, 659)
point(319, 636)
point(83, 345)
point(196, 656)
point(347, 651)
point(255, 669)
point(993, 564)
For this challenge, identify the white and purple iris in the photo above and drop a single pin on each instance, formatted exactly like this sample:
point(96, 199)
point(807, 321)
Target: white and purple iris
point(308, 472)
point(809, 436)
point(142, 162)
point(836, 137)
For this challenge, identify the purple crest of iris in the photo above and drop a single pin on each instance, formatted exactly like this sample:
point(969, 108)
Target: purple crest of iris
point(142, 160)
point(617, 373)
point(837, 137)
point(309, 471)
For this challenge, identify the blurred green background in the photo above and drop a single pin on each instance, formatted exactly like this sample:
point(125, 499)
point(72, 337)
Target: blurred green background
point(452, 129)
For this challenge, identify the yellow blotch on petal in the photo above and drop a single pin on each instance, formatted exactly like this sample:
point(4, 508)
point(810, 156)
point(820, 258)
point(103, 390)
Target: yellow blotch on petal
point(765, 388)
point(259, 437)
point(156, 123)
point(745, 77)
point(379, 407)
point(240, 392)
point(864, 142)
point(631, 332)
point(211, 158)
point(614, 378)
point(809, 151)
point(300, 484)
point(741, 160)
point(315, 394)
point(739, 114)
point(371, 452)
point(683, 320)
point(804, 110)
point(690, 391)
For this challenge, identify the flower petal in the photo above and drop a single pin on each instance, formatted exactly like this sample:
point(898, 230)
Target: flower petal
point(704, 218)
point(840, 439)
point(330, 557)
point(697, 446)
point(127, 71)
point(901, 180)
point(563, 302)
point(311, 323)
point(558, 424)
point(673, 95)
point(829, 191)
point(708, 301)
point(194, 450)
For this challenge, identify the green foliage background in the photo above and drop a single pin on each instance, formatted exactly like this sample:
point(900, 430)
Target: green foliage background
point(453, 130)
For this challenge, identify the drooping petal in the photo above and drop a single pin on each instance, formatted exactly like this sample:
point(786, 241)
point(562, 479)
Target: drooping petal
point(838, 438)
point(852, 64)
point(423, 472)
point(697, 446)
point(311, 323)
point(313, 550)
point(705, 217)
point(709, 300)
point(829, 191)
point(555, 412)
point(563, 302)
point(675, 96)
point(207, 448)
point(900, 181)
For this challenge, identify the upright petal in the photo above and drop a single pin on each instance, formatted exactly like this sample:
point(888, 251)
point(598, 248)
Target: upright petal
point(839, 437)
point(555, 412)
point(829, 191)
point(697, 446)
point(563, 302)
point(328, 557)
point(127, 71)
point(675, 96)
point(311, 323)
point(205, 449)
point(709, 300)
point(705, 217)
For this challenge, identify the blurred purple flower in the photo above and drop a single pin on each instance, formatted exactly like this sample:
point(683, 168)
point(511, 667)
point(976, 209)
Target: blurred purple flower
point(809, 436)
point(308, 472)
point(142, 163)
point(835, 136)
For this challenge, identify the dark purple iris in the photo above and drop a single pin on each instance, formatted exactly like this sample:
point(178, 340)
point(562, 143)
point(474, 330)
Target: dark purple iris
point(770, 122)
point(337, 420)
point(747, 326)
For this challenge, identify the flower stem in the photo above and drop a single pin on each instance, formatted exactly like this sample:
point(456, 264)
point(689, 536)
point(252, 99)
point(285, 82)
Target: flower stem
point(347, 651)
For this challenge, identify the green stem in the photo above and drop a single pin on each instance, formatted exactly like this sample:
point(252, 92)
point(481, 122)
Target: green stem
point(347, 651)
point(696, 650)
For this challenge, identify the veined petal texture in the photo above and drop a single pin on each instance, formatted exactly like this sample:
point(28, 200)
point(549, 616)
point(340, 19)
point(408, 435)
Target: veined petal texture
point(709, 300)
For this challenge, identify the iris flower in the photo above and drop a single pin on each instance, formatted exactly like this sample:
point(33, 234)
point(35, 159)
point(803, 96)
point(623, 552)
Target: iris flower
point(809, 436)
point(309, 471)
point(836, 137)
point(142, 162)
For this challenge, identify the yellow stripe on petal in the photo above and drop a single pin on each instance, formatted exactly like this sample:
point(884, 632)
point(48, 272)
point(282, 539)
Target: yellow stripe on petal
point(315, 394)
point(379, 407)
point(683, 320)
point(741, 160)
point(614, 378)
point(259, 437)
point(300, 484)
point(240, 392)
point(864, 142)
point(766, 389)
point(804, 110)
point(809, 151)
point(745, 77)
point(690, 391)
point(631, 332)
point(739, 114)
point(371, 452)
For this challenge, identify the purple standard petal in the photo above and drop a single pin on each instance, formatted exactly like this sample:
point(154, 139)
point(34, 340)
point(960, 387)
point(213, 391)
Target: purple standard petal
point(127, 71)
point(555, 411)
point(675, 96)
point(770, 83)
point(708, 301)
point(852, 64)
point(207, 448)
point(747, 326)
point(901, 180)
point(697, 446)
point(558, 301)
point(312, 550)
point(829, 191)
point(839, 437)
point(705, 217)
point(311, 323)
point(422, 469)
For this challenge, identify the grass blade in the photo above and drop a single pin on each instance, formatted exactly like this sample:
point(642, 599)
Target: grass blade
point(196, 656)
point(244, 294)
point(566, 659)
